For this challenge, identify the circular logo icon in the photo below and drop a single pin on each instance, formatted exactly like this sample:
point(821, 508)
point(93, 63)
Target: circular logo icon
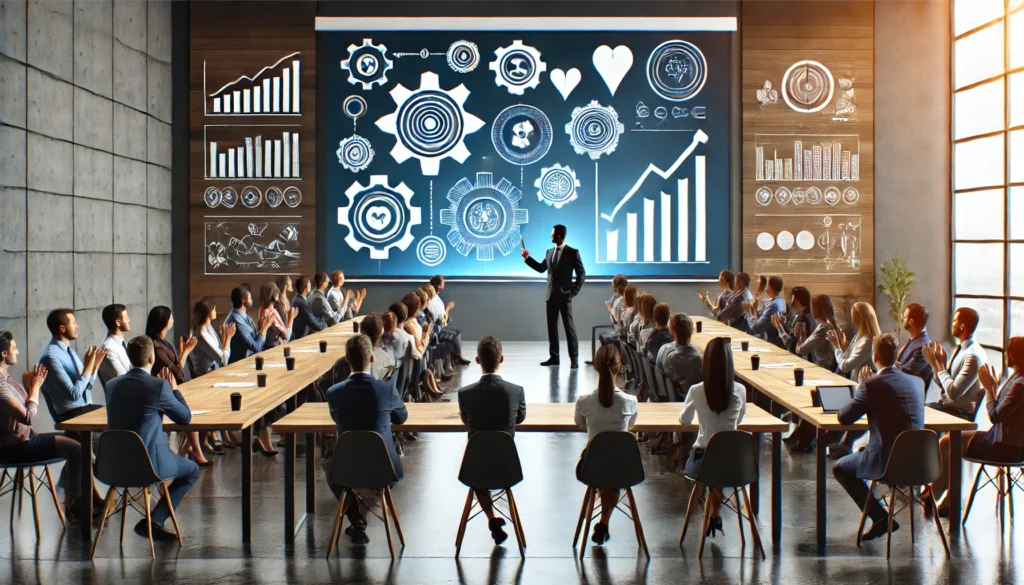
point(677, 70)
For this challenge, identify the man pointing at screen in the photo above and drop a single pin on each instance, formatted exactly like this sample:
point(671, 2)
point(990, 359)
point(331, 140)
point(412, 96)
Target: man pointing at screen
point(560, 262)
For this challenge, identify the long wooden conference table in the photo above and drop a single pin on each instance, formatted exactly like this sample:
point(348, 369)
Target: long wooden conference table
point(209, 398)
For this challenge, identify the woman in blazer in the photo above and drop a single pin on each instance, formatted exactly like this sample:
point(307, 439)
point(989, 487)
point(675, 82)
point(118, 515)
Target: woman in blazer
point(212, 351)
point(279, 333)
point(851, 356)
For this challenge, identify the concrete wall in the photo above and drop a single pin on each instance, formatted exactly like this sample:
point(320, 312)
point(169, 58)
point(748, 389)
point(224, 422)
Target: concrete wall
point(85, 163)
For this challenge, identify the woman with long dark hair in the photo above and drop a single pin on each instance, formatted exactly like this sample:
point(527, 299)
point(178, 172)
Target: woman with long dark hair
point(212, 351)
point(607, 409)
point(719, 403)
point(280, 329)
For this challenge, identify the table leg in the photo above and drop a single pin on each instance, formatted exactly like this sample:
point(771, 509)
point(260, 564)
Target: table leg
point(820, 448)
point(776, 490)
point(755, 488)
point(86, 488)
point(289, 488)
point(310, 473)
point(955, 482)
point(247, 485)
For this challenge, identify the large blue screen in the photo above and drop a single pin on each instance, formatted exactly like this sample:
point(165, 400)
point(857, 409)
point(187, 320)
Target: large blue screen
point(448, 150)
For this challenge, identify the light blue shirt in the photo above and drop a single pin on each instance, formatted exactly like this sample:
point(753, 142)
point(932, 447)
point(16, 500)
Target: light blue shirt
point(247, 340)
point(65, 387)
point(762, 324)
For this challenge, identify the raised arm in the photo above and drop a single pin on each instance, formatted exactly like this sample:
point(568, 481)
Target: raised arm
point(173, 404)
point(59, 381)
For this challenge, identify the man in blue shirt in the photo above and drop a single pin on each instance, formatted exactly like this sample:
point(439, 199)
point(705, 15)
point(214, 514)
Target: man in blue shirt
point(68, 387)
point(248, 339)
point(760, 323)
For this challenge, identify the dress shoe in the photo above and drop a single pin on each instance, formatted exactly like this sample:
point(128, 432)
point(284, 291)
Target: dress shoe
point(497, 533)
point(575, 365)
point(600, 535)
point(713, 526)
point(463, 362)
point(357, 535)
point(879, 529)
point(550, 362)
point(160, 534)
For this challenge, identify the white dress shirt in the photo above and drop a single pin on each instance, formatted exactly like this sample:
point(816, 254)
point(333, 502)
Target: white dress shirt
point(116, 363)
point(436, 308)
point(710, 421)
point(595, 418)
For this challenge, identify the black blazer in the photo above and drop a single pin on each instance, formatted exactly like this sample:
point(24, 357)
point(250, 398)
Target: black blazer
point(305, 322)
point(560, 280)
point(492, 404)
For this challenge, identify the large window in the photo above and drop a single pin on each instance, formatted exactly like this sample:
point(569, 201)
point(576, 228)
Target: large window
point(988, 167)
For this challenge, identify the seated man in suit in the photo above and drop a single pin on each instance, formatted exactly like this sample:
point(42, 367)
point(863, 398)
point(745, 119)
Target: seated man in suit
point(911, 359)
point(759, 321)
point(318, 302)
point(894, 402)
point(661, 335)
point(248, 339)
point(68, 386)
point(138, 401)
point(306, 323)
point(492, 404)
point(961, 388)
point(361, 403)
point(372, 326)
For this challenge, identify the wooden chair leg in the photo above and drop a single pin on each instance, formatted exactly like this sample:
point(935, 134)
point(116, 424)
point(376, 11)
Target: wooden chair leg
point(704, 528)
point(579, 523)
point(124, 513)
point(754, 532)
point(892, 512)
point(694, 498)
point(739, 517)
point(518, 519)
point(387, 523)
point(864, 512)
point(1009, 490)
point(53, 492)
point(394, 515)
point(35, 502)
point(1000, 508)
point(636, 522)
point(15, 488)
point(103, 520)
point(586, 525)
point(174, 517)
point(338, 521)
point(938, 525)
point(974, 491)
point(149, 524)
point(514, 513)
point(462, 522)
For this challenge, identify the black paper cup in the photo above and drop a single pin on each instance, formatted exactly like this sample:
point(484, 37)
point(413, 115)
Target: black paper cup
point(236, 401)
point(323, 346)
point(259, 363)
point(261, 380)
point(700, 326)
point(745, 345)
point(798, 376)
point(287, 351)
point(289, 363)
point(755, 362)
point(355, 327)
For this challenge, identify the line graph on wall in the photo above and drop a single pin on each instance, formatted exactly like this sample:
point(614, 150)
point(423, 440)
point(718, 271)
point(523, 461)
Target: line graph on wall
point(273, 90)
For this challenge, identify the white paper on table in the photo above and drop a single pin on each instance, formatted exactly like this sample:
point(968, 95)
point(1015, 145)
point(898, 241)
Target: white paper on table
point(238, 375)
point(815, 383)
point(752, 349)
point(789, 365)
point(234, 385)
point(266, 365)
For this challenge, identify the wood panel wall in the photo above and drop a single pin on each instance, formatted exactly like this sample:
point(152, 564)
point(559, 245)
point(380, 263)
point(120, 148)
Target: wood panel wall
point(840, 36)
point(229, 40)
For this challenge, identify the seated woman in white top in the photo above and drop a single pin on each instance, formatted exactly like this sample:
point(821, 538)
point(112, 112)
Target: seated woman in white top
point(212, 351)
point(607, 409)
point(719, 403)
point(851, 356)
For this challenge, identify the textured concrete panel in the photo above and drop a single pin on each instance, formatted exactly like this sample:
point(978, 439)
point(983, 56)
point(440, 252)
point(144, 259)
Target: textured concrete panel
point(49, 105)
point(158, 187)
point(50, 40)
point(129, 132)
point(129, 228)
point(129, 76)
point(50, 164)
point(159, 236)
point(159, 282)
point(91, 332)
point(159, 89)
point(12, 266)
point(19, 327)
point(130, 23)
point(129, 181)
point(130, 282)
point(37, 337)
point(94, 173)
point(94, 45)
point(49, 276)
point(13, 15)
point(12, 91)
point(92, 226)
point(13, 220)
point(159, 30)
point(50, 222)
point(158, 143)
point(12, 157)
point(94, 281)
point(94, 118)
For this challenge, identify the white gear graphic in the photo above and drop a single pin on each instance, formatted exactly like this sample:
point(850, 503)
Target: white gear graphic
point(484, 216)
point(557, 186)
point(463, 56)
point(367, 64)
point(594, 130)
point(517, 67)
point(430, 123)
point(355, 153)
point(379, 217)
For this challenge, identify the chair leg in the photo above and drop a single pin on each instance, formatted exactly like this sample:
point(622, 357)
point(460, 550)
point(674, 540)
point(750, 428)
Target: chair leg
point(387, 523)
point(149, 523)
point(892, 512)
point(103, 520)
point(1009, 490)
point(864, 512)
point(35, 502)
point(579, 523)
point(53, 492)
point(514, 513)
point(124, 513)
point(637, 524)
point(974, 491)
point(174, 517)
point(704, 528)
point(739, 517)
point(910, 508)
point(1000, 508)
point(338, 521)
point(21, 489)
point(754, 532)
point(518, 518)
point(689, 510)
point(938, 525)
point(15, 489)
point(394, 515)
point(463, 521)
point(586, 525)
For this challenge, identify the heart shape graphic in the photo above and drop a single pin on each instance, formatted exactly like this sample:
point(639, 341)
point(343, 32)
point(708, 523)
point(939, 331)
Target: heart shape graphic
point(565, 81)
point(613, 64)
point(378, 217)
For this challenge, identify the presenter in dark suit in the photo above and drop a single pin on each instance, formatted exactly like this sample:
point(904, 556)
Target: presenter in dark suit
point(560, 262)
point(894, 402)
point(138, 401)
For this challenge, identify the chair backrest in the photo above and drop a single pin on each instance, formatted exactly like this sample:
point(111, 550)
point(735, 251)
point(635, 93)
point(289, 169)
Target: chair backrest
point(914, 459)
point(661, 385)
point(729, 460)
point(612, 461)
point(647, 372)
point(361, 461)
point(491, 461)
point(122, 461)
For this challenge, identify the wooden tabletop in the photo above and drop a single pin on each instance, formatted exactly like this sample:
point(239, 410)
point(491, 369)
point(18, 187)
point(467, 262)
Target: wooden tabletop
point(540, 417)
point(211, 404)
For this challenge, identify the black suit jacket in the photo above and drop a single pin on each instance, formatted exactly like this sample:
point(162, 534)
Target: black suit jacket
point(305, 322)
point(560, 280)
point(492, 404)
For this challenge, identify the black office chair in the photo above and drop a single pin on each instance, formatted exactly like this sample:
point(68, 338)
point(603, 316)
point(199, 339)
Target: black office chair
point(594, 338)
point(491, 462)
point(18, 487)
point(729, 461)
point(612, 462)
point(362, 462)
point(661, 385)
point(914, 461)
point(122, 462)
point(1007, 477)
point(647, 375)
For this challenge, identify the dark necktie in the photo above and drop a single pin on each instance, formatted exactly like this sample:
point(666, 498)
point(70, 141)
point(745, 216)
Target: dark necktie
point(955, 353)
point(558, 254)
point(124, 345)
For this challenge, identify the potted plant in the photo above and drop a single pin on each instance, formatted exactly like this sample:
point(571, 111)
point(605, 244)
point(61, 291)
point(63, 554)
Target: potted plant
point(896, 283)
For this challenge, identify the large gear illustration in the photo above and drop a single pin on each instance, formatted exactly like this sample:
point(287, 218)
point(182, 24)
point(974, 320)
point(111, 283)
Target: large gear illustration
point(594, 130)
point(430, 123)
point(517, 67)
point(484, 216)
point(557, 186)
point(367, 64)
point(379, 217)
point(355, 153)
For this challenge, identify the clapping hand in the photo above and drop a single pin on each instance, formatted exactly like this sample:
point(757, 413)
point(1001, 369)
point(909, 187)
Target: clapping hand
point(989, 379)
point(185, 347)
point(32, 380)
point(935, 354)
point(833, 338)
point(451, 305)
point(778, 321)
point(265, 320)
point(865, 374)
point(227, 331)
point(166, 374)
point(292, 314)
point(704, 296)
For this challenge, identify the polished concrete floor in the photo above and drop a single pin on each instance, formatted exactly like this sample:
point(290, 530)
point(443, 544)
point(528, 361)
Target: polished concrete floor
point(430, 500)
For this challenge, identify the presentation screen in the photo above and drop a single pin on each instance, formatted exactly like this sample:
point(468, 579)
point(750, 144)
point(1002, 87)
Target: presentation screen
point(452, 144)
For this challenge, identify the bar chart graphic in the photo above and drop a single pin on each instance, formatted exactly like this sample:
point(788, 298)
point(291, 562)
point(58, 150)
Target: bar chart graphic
point(806, 157)
point(261, 152)
point(650, 226)
point(274, 90)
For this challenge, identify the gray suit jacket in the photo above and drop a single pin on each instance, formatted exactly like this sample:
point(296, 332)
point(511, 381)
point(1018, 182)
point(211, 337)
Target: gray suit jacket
point(321, 307)
point(960, 386)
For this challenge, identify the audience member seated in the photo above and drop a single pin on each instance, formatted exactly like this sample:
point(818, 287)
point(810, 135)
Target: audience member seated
point(719, 402)
point(383, 366)
point(138, 402)
point(726, 281)
point(851, 356)
point(395, 337)
point(958, 377)
point(318, 302)
point(248, 338)
point(759, 319)
point(447, 334)
point(799, 322)
point(734, 314)
point(420, 342)
point(911, 359)
point(680, 361)
point(68, 383)
point(813, 344)
point(893, 402)
point(660, 335)
point(441, 358)
point(280, 330)
point(306, 323)
point(615, 305)
point(361, 403)
point(627, 313)
point(284, 302)
point(637, 325)
point(212, 351)
point(607, 409)
point(492, 404)
point(115, 363)
point(647, 321)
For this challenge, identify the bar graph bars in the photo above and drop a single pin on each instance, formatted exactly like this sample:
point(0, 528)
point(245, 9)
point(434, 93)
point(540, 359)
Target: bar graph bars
point(273, 154)
point(274, 90)
point(813, 158)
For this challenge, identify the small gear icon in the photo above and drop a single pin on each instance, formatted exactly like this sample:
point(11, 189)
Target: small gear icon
point(355, 153)
point(557, 186)
point(379, 217)
point(484, 216)
point(463, 56)
point(517, 67)
point(367, 64)
point(594, 130)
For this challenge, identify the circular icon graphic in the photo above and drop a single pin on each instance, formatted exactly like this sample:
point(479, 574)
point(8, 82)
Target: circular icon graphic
point(677, 70)
point(484, 216)
point(251, 197)
point(784, 240)
point(367, 64)
point(212, 197)
point(765, 241)
point(851, 196)
point(783, 195)
point(521, 134)
point(274, 197)
point(354, 153)
point(807, 86)
point(813, 195)
point(594, 130)
point(799, 196)
point(292, 196)
point(763, 196)
point(557, 186)
point(379, 217)
point(229, 197)
point(431, 250)
point(517, 67)
point(354, 106)
point(805, 240)
point(832, 195)
point(463, 57)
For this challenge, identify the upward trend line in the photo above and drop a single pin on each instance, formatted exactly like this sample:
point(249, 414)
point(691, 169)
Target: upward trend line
point(699, 138)
point(254, 77)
